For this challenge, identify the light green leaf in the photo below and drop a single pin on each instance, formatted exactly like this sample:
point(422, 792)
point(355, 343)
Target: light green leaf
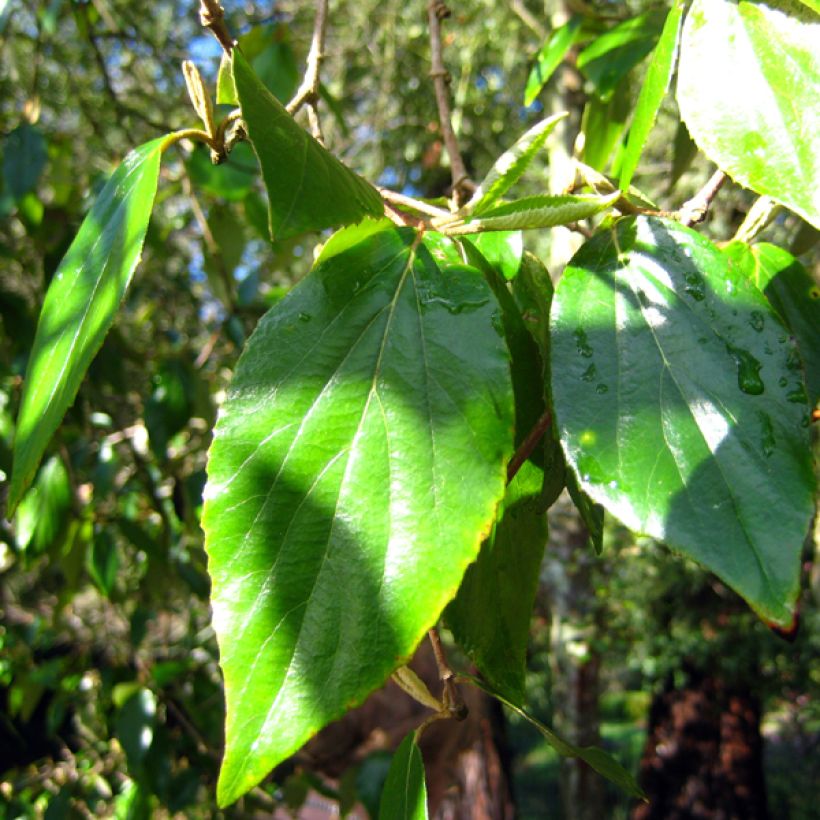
point(597, 758)
point(603, 125)
point(607, 60)
point(655, 86)
point(747, 90)
point(535, 212)
point(792, 292)
point(509, 167)
point(502, 249)
point(24, 157)
point(368, 423)
point(308, 188)
point(680, 403)
point(80, 305)
point(550, 56)
point(404, 796)
point(43, 514)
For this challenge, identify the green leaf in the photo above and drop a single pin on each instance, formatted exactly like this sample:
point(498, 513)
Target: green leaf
point(793, 293)
point(550, 57)
point(510, 166)
point(684, 151)
point(490, 616)
point(592, 514)
point(535, 212)
point(42, 516)
point(24, 157)
point(747, 90)
point(603, 125)
point(597, 758)
point(80, 305)
point(502, 249)
point(655, 86)
point(308, 188)
point(135, 727)
point(404, 796)
point(607, 60)
point(103, 562)
point(231, 179)
point(368, 423)
point(681, 407)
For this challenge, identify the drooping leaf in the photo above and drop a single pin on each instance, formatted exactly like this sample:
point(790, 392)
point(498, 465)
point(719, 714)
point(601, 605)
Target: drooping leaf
point(535, 212)
point(308, 188)
point(24, 157)
point(747, 90)
point(550, 56)
point(510, 166)
point(609, 58)
point(82, 300)
point(597, 758)
point(502, 249)
point(368, 423)
point(654, 88)
point(404, 796)
point(681, 407)
point(793, 293)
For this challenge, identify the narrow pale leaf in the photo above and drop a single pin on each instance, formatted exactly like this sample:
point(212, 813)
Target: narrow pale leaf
point(550, 56)
point(655, 86)
point(80, 305)
point(308, 188)
point(404, 795)
point(368, 424)
point(747, 90)
point(510, 166)
point(680, 403)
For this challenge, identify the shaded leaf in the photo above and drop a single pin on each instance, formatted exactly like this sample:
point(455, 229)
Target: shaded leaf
point(135, 727)
point(550, 56)
point(42, 515)
point(231, 179)
point(684, 151)
point(102, 562)
point(747, 90)
point(603, 125)
point(24, 157)
point(681, 407)
point(80, 305)
point(369, 421)
point(404, 796)
point(308, 188)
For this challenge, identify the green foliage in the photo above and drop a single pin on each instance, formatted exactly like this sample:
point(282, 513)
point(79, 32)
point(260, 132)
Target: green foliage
point(404, 796)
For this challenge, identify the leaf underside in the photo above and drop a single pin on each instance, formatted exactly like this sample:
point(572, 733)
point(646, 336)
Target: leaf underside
point(355, 469)
point(681, 406)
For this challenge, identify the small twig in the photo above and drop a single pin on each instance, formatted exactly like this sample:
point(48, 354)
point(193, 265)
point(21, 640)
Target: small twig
point(694, 210)
point(409, 202)
point(212, 17)
point(308, 92)
point(527, 446)
point(529, 19)
point(436, 12)
point(451, 698)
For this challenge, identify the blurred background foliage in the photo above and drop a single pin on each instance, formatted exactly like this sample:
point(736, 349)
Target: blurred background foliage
point(110, 698)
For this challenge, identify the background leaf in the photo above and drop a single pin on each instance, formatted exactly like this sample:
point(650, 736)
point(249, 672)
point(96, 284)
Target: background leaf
point(369, 421)
point(681, 407)
point(24, 157)
point(747, 90)
point(404, 796)
point(80, 305)
point(550, 56)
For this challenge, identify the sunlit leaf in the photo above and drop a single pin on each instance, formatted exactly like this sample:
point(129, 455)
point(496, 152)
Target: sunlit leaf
point(550, 56)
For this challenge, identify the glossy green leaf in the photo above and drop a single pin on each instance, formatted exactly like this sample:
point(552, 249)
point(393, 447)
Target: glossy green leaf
point(502, 249)
point(609, 58)
point(654, 88)
point(597, 758)
point(368, 423)
point(42, 516)
point(603, 125)
point(511, 165)
point(308, 188)
point(793, 293)
point(681, 407)
point(535, 212)
point(80, 305)
point(404, 796)
point(747, 90)
point(24, 157)
point(550, 57)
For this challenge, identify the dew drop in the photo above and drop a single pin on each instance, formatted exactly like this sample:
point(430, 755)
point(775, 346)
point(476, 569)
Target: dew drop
point(305, 317)
point(748, 371)
point(601, 389)
point(589, 374)
point(767, 443)
point(782, 381)
point(756, 320)
point(582, 343)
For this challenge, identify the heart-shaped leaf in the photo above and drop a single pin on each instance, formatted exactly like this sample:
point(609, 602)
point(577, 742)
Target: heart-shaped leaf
point(368, 425)
point(681, 406)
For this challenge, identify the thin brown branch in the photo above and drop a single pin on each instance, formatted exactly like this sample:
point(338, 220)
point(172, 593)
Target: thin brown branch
point(529, 444)
point(451, 698)
point(694, 210)
point(436, 12)
point(212, 17)
point(308, 92)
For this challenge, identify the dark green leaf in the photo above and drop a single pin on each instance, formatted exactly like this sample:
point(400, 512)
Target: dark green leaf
point(231, 179)
point(308, 188)
point(80, 305)
point(747, 90)
point(404, 796)
point(103, 561)
point(684, 151)
point(655, 86)
point(794, 295)
point(597, 758)
point(592, 514)
point(550, 56)
point(607, 60)
point(681, 406)
point(24, 157)
point(135, 727)
point(369, 422)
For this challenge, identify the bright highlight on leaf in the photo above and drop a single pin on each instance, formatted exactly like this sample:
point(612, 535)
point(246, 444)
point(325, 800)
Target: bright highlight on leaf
point(404, 795)
point(80, 306)
point(356, 467)
point(681, 405)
